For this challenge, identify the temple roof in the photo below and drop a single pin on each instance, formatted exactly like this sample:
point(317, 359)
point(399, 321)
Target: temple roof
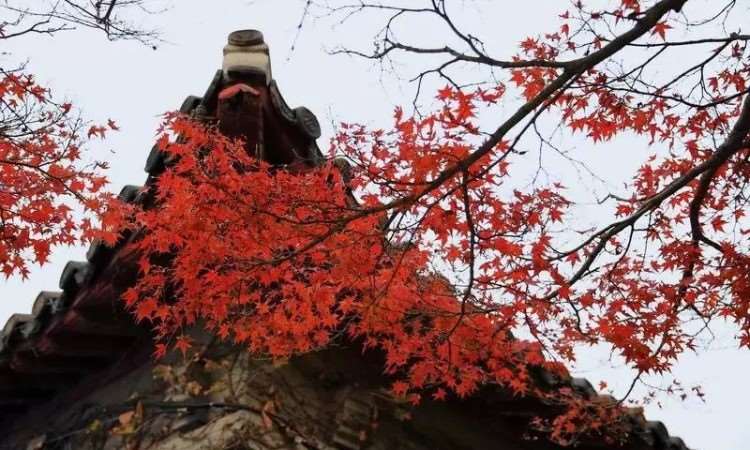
point(73, 336)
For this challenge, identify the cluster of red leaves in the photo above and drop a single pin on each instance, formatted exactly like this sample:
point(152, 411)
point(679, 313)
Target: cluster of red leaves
point(582, 416)
point(285, 262)
point(688, 262)
point(47, 194)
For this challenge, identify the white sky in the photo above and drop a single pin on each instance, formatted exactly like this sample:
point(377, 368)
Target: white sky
point(133, 85)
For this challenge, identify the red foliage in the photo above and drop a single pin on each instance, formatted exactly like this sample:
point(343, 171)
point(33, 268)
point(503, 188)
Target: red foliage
point(48, 195)
point(445, 260)
point(283, 262)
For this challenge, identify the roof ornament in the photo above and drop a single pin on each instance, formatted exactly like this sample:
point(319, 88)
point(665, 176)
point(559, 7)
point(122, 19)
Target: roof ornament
point(246, 55)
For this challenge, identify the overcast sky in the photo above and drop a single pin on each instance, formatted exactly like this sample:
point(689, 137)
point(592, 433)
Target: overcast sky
point(133, 85)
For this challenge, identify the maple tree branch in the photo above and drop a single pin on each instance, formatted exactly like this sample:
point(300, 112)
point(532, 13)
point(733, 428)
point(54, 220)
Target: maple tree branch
point(35, 28)
point(67, 14)
point(729, 39)
point(472, 249)
point(734, 142)
point(651, 18)
point(476, 55)
point(455, 54)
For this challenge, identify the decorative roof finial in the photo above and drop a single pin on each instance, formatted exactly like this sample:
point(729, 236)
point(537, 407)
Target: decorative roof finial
point(246, 55)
